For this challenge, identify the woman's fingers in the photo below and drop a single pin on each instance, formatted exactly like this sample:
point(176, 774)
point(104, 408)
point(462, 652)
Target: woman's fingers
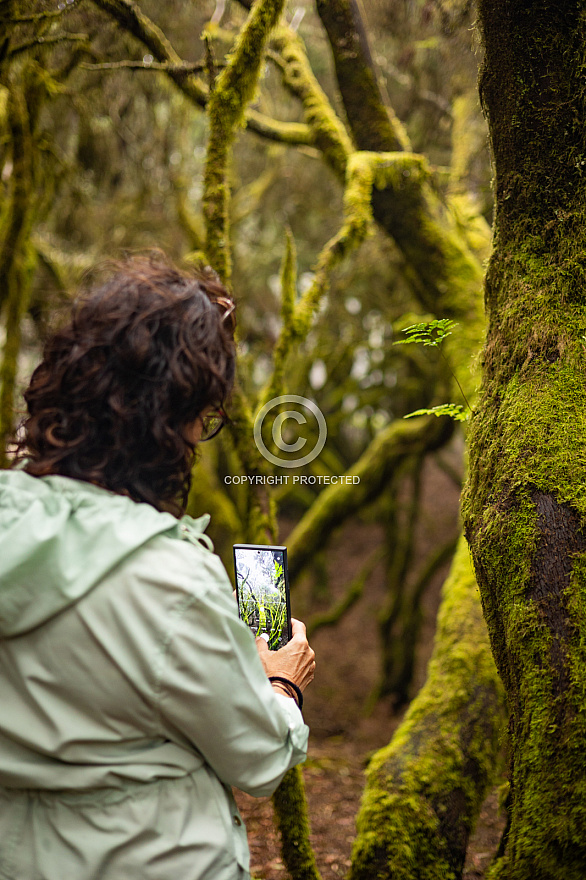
point(295, 661)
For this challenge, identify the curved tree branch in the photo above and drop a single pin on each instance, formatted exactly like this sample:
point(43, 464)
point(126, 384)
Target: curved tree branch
point(144, 65)
point(353, 593)
point(372, 472)
point(372, 121)
point(233, 91)
point(444, 272)
point(44, 16)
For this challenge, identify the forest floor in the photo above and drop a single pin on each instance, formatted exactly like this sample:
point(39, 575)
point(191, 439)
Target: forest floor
point(344, 733)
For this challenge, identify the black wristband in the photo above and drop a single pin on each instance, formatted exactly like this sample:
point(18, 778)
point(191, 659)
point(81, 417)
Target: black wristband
point(297, 695)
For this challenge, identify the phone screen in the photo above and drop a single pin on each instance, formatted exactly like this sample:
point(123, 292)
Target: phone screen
point(262, 588)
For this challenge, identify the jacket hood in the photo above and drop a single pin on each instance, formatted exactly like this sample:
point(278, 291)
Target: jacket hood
point(59, 537)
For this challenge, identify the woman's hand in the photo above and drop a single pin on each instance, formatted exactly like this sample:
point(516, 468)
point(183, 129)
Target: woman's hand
point(295, 661)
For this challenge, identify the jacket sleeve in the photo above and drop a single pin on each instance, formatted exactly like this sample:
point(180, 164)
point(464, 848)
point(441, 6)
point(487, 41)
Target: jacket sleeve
point(214, 694)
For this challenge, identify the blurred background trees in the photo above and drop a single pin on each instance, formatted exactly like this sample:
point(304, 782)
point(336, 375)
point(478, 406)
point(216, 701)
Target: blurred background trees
point(356, 202)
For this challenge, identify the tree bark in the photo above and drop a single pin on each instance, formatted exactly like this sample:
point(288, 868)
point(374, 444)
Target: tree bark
point(525, 503)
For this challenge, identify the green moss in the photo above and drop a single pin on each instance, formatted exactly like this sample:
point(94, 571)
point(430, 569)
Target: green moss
point(329, 134)
point(471, 225)
point(207, 495)
point(18, 222)
point(440, 249)
point(529, 441)
point(364, 171)
point(233, 91)
point(424, 789)
point(293, 825)
point(442, 266)
point(353, 593)
point(260, 515)
point(4, 97)
point(525, 503)
point(18, 284)
point(296, 134)
point(468, 142)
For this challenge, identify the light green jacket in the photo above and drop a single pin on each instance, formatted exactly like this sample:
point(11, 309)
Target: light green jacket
point(131, 695)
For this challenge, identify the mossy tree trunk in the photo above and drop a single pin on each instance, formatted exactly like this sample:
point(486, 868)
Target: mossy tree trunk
point(424, 789)
point(17, 257)
point(525, 503)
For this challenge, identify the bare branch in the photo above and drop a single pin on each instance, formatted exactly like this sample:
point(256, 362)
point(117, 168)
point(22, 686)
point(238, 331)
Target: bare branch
point(145, 65)
point(423, 96)
point(47, 41)
point(218, 12)
point(43, 16)
point(352, 595)
point(130, 16)
point(372, 121)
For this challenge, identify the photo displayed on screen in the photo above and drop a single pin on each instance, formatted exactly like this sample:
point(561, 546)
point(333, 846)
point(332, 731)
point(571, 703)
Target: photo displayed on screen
point(262, 598)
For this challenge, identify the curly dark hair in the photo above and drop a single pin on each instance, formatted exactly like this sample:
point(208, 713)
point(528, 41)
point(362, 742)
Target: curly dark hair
point(142, 356)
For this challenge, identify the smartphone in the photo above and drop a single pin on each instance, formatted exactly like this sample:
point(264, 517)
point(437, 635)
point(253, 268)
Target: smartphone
point(262, 590)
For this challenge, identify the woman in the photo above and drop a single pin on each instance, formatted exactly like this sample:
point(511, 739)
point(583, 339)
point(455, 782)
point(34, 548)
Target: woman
point(132, 697)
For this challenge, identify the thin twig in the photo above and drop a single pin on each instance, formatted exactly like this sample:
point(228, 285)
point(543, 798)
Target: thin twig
point(210, 61)
point(146, 65)
point(42, 16)
point(45, 41)
point(218, 12)
point(456, 378)
point(298, 17)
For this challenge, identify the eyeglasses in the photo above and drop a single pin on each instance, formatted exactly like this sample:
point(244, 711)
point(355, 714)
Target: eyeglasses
point(212, 424)
point(228, 307)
